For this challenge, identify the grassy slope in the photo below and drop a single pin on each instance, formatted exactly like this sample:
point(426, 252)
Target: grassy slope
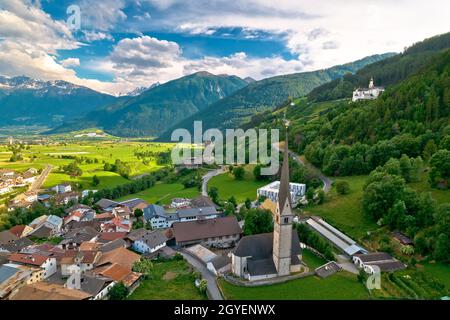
point(164, 193)
point(228, 186)
point(344, 212)
point(341, 286)
point(106, 151)
point(181, 287)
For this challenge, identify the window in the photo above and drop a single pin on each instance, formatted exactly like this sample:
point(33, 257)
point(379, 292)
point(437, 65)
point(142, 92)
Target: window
point(286, 220)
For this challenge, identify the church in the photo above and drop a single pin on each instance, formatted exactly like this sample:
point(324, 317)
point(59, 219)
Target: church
point(275, 254)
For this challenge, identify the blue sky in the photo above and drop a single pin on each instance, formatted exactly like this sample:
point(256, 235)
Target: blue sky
point(122, 44)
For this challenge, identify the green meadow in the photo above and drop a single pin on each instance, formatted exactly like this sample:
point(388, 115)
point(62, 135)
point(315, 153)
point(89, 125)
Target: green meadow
point(228, 186)
point(170, 280)
point(38, 156)
point(163, 193)
point(340, 286)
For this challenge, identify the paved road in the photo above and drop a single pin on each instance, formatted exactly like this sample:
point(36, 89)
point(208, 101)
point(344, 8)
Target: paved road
point(325, 180)
point(40, 180)
point(207, 275)
point(208, 177)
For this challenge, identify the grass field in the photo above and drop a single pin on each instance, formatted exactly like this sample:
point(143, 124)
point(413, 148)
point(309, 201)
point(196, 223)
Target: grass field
point(228, 186)
point(164, 193)
point(344, 211)
point(38, 156)
point(172, 280)
point(341, 286)
point(311, 260)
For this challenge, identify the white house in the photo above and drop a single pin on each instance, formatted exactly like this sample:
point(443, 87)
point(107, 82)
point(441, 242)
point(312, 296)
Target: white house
point(159, 218)
point(84, 260)
point(377, 262)
point(62, 188)
point(369, 93)
point(270, 191)
point(150, 241)
point(30, 196)
point(48, 264)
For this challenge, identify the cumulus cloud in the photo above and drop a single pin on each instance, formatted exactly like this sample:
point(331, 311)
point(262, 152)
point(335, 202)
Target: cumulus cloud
point(70, 62)
point(21, 21)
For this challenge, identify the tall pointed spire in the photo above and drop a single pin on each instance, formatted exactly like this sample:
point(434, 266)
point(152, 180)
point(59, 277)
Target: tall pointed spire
point(284, 190)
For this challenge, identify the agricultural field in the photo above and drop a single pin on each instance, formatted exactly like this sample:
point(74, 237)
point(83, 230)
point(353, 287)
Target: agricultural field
point(340, 286)
point(39, 156)
point(163, 193)
point(170, 280)
point(228, 186)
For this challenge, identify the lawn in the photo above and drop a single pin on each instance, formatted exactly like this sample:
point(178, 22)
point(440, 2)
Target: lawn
point(172, 280)
point(311, 260)
point(341, 286)
point(344, 211)
point(163, 193)
point(228, 186)
point(38, 156)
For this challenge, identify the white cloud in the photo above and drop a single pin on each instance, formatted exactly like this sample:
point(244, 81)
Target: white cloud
point(23, 22)
point(70, 62)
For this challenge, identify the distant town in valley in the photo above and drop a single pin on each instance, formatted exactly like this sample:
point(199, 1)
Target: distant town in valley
point(94, 207)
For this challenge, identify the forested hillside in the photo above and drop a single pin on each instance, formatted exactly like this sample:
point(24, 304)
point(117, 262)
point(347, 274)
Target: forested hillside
point(386, 72)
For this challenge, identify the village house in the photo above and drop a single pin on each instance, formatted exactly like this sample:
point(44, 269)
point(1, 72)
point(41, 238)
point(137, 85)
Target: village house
point(48, 264)
point(74, 238)
point(159, 218)
point(62, 188)
point(84, 260)
point(117, 225)
point(14, 276)
point(16, 245)
point(149, 241)
point(21, 230)
point(219, 232)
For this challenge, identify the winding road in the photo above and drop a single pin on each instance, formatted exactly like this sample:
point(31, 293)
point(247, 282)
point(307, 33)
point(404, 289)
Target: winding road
point(208, 177)
point(325, 180)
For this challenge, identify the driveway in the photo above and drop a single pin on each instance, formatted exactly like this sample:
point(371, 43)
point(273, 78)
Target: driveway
point(213, 290)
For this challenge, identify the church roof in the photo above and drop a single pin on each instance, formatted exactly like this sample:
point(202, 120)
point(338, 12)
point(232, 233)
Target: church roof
point(260, 248)
point(284, 191)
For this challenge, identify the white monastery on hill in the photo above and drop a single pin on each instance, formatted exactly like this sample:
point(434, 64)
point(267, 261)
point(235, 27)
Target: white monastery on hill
point(369, 93)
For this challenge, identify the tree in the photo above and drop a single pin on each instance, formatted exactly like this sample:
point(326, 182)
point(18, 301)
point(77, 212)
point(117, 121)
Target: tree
point(143, 266)
point(258, 221)
point(213, 193)
point(310, 194)
point(429, 149)
point(239, 173)
point(138, 213)
point(248, 203)
point(342, 187)
point(440, 169)
point(118, 292)
point(95, 181)
point(203, 285)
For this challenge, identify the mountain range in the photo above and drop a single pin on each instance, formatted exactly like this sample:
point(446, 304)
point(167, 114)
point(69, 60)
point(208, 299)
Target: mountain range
point(28, 101)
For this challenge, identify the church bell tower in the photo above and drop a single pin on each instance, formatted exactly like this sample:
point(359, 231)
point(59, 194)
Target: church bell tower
point(282, 232)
